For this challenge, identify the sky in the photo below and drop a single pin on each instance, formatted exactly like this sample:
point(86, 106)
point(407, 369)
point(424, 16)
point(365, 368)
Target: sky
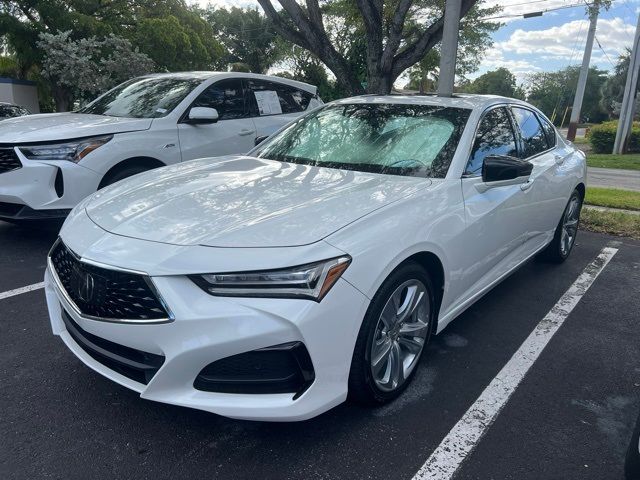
point(547, 43)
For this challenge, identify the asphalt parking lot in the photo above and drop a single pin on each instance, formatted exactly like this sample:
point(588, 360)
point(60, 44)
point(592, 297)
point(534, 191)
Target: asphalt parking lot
point(571, 417)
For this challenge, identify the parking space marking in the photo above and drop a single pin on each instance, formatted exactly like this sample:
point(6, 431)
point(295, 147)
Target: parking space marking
point(21, 290)
point(463, 437)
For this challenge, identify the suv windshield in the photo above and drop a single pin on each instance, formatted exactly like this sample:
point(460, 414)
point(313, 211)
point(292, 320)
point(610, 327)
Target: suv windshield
point(143, 97)
point(397, 139)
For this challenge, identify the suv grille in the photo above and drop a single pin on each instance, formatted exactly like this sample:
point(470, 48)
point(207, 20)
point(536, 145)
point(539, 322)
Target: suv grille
point(103, 293)
point(8, 160)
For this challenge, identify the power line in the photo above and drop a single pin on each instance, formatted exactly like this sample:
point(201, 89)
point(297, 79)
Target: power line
point(605, 53)
point(513, 15)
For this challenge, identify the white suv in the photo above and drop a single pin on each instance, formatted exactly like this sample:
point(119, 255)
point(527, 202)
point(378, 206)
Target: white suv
point(49, 162)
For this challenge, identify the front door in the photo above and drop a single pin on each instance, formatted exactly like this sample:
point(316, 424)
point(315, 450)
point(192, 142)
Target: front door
point(497, 217)
point(233, 133)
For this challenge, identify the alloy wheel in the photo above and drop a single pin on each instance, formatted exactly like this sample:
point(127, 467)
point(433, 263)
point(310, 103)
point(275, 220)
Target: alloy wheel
point(570, 225)
point(400, 335)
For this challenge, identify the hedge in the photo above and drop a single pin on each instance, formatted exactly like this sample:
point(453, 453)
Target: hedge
point(602, 136)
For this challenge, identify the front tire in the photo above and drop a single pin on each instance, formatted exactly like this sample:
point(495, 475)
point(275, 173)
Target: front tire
point(632, 459)
point(566, 231)
point(393, 335)
point(121, 174)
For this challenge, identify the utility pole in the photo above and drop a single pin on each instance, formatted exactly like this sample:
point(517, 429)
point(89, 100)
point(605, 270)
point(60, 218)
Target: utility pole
point(449, 50)
point(627, 109)
point(584, 71)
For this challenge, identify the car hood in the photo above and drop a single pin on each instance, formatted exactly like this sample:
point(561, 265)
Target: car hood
point(243, 202)
point(61, 126)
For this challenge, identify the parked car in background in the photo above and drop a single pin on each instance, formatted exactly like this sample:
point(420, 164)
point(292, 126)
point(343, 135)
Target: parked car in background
point(49, 162)
point(272, 286)
point(9, 110)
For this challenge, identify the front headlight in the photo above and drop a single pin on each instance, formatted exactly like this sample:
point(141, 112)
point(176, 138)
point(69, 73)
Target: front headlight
point(311, 281)
point(73, 151)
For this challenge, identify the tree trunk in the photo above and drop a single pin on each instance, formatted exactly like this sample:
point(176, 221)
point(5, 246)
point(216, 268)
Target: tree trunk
point(62, 97)
point(384, 64)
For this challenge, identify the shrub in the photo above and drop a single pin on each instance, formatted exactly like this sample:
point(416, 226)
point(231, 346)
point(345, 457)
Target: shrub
point(602, 136)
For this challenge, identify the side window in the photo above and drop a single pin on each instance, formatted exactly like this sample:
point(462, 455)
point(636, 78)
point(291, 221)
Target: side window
point(549, 131)
point(533, 136)
point(226, 96)
point(272, 98)
point(300, 98)
point(494, 137)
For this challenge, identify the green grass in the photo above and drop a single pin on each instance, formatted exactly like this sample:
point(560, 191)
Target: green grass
point(613, 198)
point(581, 141)
point(628, 162)
point(614, 223)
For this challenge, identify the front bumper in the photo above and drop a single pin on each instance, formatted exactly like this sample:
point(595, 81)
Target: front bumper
point(207, 328)
point(30, 192)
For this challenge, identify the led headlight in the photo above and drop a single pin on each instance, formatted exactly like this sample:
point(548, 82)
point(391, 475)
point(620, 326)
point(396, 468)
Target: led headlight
point(73, 150)
point(311, 281)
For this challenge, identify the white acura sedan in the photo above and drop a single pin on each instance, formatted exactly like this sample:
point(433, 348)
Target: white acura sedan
point(276, 285)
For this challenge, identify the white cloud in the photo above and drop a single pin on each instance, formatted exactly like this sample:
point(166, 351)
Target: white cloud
point(565, 42)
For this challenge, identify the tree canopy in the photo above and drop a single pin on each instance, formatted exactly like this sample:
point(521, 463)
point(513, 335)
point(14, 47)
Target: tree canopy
point(496, 82)
point(368, 44)
point(552, 92)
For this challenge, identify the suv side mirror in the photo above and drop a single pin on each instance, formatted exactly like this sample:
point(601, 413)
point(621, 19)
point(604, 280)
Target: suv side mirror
point(498, 168)
point(260, 139)
point(201, 115)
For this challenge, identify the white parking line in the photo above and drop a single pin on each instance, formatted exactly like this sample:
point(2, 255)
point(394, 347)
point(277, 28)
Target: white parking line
point(21, 290)
point(463, 437)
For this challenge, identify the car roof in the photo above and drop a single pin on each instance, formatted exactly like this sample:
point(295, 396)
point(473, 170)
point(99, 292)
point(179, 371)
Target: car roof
point(458, 100)
point(205, 75)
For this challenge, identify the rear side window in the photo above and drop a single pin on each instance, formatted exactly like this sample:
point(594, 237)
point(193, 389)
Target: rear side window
point(273, 98)
point(226, 96)
point(533, 136)
point(495, 137)
point(549, 131)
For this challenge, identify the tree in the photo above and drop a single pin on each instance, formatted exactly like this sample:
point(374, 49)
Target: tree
point(391, 34)
point(176, 45)
point(496, 82)
point(171, 33)
point(247, 36)
point(552, 92)
point(613, 88)
point(84, 68)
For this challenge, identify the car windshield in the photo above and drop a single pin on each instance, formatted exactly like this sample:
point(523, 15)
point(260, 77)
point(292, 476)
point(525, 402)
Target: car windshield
point(397, 139)
point(143, 98)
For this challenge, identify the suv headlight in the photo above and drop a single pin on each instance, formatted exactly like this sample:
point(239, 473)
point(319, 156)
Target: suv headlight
point(311, 281)
point(73, 150)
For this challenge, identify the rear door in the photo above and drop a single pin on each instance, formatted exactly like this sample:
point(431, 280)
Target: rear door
point(546, 189)
point(233, 133)
point(273, 104)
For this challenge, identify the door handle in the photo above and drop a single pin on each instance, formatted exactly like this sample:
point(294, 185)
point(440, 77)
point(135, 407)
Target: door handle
point(527, 185)
point(245, 132)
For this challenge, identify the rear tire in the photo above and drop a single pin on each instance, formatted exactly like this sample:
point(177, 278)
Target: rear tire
point(394, 333)
point(565, 235)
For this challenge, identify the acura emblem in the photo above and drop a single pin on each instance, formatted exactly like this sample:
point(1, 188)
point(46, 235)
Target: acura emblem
point(86, 287)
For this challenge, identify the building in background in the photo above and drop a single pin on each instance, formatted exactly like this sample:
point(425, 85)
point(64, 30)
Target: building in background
point(19, 92)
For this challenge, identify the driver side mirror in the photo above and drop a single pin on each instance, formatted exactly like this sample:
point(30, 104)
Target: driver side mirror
point(202, 115)
point(499, 168)
point(260, 139)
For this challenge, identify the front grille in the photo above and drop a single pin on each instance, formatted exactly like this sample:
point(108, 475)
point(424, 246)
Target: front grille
point(132, 363)
point(104, 293)
point(8, 160)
